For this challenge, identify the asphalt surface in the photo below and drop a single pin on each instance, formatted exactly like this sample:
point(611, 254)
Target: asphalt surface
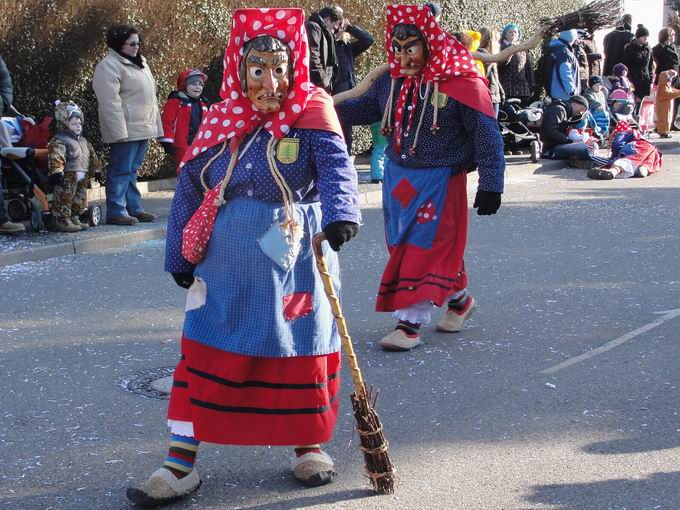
point(474, 421)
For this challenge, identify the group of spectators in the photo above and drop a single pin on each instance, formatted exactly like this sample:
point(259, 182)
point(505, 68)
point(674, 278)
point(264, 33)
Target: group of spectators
point(571, 67)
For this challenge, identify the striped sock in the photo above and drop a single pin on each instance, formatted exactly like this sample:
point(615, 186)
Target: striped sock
point(301, 450)
point(182, 455)
point(459, 302)
point(411, 329)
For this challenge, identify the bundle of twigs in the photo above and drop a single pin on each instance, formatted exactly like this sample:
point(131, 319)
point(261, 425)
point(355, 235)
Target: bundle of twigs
point(594, 16)
point(379, 467)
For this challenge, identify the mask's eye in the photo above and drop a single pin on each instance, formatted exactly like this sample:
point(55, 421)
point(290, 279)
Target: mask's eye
point(396, 49)
point(256, 72)
point(412, 50)
point(281, 70)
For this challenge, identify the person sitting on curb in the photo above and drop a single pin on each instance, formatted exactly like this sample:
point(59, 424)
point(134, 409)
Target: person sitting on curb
point(182, 114)
point(71, 161)
point(558, 119)
point(596, 94)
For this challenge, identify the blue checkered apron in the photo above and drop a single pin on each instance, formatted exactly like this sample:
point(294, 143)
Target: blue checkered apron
point(244, 308)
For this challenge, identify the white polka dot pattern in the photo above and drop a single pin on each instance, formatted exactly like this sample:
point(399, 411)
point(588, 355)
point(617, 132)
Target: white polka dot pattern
point(235, 116)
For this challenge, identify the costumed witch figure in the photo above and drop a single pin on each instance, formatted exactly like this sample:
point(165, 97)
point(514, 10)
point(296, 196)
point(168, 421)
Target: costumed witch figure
point(260, 353)
point(437, 113)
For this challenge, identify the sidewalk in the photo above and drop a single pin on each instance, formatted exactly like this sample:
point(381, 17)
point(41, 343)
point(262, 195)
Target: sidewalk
point(34, 246)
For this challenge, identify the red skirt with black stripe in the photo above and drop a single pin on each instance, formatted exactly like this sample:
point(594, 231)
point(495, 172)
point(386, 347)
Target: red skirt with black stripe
point(414, 274)
point(246, 400)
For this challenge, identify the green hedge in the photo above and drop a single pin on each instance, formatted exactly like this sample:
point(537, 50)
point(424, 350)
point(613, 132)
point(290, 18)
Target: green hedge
point(52, 46)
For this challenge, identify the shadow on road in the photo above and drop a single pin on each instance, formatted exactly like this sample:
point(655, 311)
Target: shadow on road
point(608, 494)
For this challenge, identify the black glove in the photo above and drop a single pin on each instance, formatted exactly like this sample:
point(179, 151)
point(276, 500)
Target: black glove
point(184, 280)
point(168, 148)
point(56, 179)
point(99, 177)
point(339, 232)
point(487, 202)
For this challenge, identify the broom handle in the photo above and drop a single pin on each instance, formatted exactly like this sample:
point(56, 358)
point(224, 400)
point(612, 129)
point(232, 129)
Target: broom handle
point(487, 58)
point(337, 313)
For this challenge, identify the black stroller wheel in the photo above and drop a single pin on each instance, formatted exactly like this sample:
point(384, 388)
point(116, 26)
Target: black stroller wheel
point(17, 210)
point(36, 220)
point(94, 215)
point(535, 150)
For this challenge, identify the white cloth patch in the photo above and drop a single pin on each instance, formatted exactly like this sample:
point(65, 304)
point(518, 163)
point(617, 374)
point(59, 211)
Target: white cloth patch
point(196, 295)
point(416, 314)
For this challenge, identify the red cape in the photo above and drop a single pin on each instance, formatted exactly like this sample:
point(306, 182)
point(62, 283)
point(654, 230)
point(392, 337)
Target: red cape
point(319, 113)
point(471, 91)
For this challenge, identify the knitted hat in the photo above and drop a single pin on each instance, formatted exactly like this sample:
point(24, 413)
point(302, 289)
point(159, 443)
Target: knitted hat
point(594, 79)
point(508, 27)
point(579, 100)
point(188, 76)
point(65, 111)
point(568, 35)
point(641, 31)
point(619, 69)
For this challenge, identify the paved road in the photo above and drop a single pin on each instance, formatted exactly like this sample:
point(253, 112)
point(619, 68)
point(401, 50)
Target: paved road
point(567, 266)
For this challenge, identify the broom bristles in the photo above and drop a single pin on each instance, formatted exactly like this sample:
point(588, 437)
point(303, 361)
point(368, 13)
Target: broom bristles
point(594, 16)
point(379, 467)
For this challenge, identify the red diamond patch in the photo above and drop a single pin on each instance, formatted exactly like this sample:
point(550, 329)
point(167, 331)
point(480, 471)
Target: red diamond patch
point(404, 192)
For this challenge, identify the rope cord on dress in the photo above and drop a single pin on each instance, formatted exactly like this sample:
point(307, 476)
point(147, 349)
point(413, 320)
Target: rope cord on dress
point(286, 192)
point(412, 150)
point(386, 124)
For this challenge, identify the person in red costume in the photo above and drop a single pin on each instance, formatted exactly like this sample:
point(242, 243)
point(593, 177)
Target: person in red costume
point(260, 360)
point(440, 123)
point(182, 114)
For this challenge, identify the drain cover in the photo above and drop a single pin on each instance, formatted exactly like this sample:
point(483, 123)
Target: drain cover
point(155, 383)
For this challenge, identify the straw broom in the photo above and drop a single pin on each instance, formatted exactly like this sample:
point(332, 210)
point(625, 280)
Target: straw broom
point(594, 16)
point(379, 467)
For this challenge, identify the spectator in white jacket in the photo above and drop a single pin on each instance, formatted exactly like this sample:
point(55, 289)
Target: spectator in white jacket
point(128, 118)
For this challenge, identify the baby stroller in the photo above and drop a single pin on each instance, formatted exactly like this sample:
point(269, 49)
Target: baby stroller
point(25, 186)
point(622, 106)
point(519, 127)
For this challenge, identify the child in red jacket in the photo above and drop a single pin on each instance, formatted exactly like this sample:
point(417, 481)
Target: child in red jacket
point(182, 113)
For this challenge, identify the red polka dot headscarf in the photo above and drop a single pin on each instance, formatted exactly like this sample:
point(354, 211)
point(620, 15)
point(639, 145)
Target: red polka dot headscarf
point(448, 61)
point(447, 57)
point(236, 116)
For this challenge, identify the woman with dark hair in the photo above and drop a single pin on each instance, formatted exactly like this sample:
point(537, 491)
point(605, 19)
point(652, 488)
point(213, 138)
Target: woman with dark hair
point(260, 360)
point(637, 56)
point(664, 55)
point(128, 119)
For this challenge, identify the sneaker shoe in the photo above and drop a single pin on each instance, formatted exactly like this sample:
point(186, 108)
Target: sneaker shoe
point(76, 221)
point(454, 320)
point(11, 228)
point(122, 220)
point(600, 174)
point(65, 225)
point(144, 217)
point(398, 340)
point(163, 488)
point(313, 469)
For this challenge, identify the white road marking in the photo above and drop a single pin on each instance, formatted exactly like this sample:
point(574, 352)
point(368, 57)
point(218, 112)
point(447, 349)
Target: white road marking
point(665, 316)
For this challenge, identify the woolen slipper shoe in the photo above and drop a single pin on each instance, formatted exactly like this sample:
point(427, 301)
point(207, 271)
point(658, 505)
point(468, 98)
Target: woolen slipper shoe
point(313, 469)
point(163, 488)
point(398, 340)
